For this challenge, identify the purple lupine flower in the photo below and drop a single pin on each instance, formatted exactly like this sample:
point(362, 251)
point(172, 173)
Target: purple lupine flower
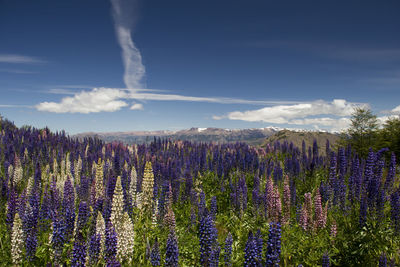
point(83, 191)
point(94, 249)
point(214, 257)
point(172, 251)
point(342, 163)
point(242, 194)
point(259, 243)
point(391, 173)
point(110, 245)
point(333, 178)
point(11, 208)
point(324, 191)
point(22, 204)
point(256, 192)
point(79, 252)
point(251, 257)
point(228, 250)
point(37, 177)
point(382, 260)
point(202, 205)
point(327, 148)
point(278, 173)
point(29, 227)
point(58, 237)
point(355, 181)
point(83, 214)
point(363, 209)
point(213, 207)
point(208, 239)
point(395, 210)
point(155, 258)
point(45, 209)
point(69, 208)
point(380, 204)
point(325, 260)
point(273, 245)
point(375, 185)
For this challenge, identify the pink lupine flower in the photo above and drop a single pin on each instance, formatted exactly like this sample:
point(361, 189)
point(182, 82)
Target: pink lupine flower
point(286, 200)
point(320, 217)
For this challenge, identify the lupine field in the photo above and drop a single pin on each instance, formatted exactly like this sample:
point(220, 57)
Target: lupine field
point(66, 202)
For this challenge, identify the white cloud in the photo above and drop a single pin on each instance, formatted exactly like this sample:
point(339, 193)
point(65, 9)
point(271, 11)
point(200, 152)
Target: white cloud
point(136, 106)
point(19, 59)
point(396, 110)
point(311, 113)
point(285, 113)
point(97, 100)
point(131, 57)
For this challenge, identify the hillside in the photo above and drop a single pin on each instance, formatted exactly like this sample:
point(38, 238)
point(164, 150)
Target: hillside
point(297, 137)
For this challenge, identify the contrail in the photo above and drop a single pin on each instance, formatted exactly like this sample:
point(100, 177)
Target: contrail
point(123, 14)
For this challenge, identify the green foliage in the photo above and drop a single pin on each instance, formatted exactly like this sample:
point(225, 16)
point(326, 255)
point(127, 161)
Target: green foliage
point(389, 135)
point(362, 131)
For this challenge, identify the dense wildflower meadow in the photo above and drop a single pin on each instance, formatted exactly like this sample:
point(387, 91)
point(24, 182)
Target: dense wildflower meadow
point(86, 203)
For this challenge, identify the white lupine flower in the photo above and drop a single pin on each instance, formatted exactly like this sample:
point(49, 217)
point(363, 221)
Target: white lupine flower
point(29, 186)
point(133, 186)
point(78, 168)
point(18, 171)
point(125, 239)
point(55, 166)
point(86, 150)
point(45, 177)
point(67, 164)
point(122, 223)
point(130, 149)
point(125, 166)
point(147, 185)
point(117, 208)
point(101, 230)
point(26, 154)
point(17, 241)
point(99, 179)
point(10, 171)
point(155, 214)
point(139, 200)
point(62, 167)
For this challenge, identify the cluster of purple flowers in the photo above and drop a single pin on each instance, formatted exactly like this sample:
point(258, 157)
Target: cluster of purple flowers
point(71, 180)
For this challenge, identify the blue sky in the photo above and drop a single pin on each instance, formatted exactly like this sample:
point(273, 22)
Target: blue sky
point(120, 65)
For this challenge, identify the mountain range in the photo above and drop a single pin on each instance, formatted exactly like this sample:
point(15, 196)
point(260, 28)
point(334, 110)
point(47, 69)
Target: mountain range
point(254, 136)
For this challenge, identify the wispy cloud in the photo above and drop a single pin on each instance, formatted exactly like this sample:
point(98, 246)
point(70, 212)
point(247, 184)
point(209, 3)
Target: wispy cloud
point(14, 106)
point(123, 13)
point(17, 71)
point(219, 100)
point(60, 91)
point(340, 50)
point(19, 59)
point(113, 99)
point(312, 113)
